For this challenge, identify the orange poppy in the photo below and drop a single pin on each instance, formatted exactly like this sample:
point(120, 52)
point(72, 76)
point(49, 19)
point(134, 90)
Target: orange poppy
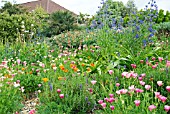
point(82, 64)
point(92, 64)
point(65, 70)
point(45, 79)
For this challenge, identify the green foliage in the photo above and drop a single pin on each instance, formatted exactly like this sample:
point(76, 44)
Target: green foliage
point(73, 39)
point(10, 98)
point(59, 22)
point(22, 26)
point(12, 9)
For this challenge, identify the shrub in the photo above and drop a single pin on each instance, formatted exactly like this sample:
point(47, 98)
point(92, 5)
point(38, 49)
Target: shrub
point(59, 22)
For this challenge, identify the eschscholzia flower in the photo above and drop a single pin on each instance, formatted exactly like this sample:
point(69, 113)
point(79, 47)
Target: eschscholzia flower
point(137, 102)
point(112, 107)
point(92, 64)
point(166, 108)
point(168, 88)
point(45, 79)
point(93, 82)
point(110, 72)
point(151, 107)
point(159, 83)
point(61, 96)
point(147, 87)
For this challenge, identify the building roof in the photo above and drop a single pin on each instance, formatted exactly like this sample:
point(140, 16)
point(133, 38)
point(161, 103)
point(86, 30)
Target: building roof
point(48, 5)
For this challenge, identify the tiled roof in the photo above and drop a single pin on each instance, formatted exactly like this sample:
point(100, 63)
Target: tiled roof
point(48, 5)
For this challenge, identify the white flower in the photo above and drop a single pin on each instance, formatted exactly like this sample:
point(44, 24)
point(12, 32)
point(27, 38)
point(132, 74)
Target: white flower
point(16, 84)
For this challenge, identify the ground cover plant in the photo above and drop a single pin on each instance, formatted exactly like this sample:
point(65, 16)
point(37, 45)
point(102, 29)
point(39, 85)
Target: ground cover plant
point(102, 70)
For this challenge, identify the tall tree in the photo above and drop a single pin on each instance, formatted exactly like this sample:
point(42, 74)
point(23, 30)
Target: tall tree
point(12, 8)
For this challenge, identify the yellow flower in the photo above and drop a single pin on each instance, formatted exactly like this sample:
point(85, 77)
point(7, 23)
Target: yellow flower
point(45, 79)
point(23, 69)
point(61, 78)
point(88, 69)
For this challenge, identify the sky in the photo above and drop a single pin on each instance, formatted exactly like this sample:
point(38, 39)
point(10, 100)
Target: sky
point(91, 6)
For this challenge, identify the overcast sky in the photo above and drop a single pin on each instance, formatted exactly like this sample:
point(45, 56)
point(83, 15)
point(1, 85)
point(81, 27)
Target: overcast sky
point(91, 6)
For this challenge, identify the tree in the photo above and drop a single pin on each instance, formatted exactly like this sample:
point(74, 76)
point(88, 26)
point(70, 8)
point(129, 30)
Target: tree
point(59, 22)
point(12, 9)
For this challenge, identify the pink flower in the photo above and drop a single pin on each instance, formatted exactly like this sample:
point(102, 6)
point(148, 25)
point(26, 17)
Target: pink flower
point(100, 101)
point(151, 107)
point(140, 78)
point(160, 59)
point(141, 61)
point(18, 61)
point(112, 107)
point(103, 105)
point(134, 75)
point(39, 85)
point(133, 66)
point(111, 95)
point(132, 87)
point(110, 72)
point(111, 100)
point(106, 99)
point(58, 90)
point(157, 94)
point(154, 66)
point(137, 102)
point(61, 96)
point(124, 74)
point(123, 91)
point(166, 108)
point(143, 75)
point(162, 98)
point(142, 83)
point(159, 83)
point(168, 88)
point(32, 112)
point(138, 90)
point(153, 58)
point(117, 84)
point(167, 63)
point(90, 90)
point(147, 87)
point(93, 82)
point(118, 92)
